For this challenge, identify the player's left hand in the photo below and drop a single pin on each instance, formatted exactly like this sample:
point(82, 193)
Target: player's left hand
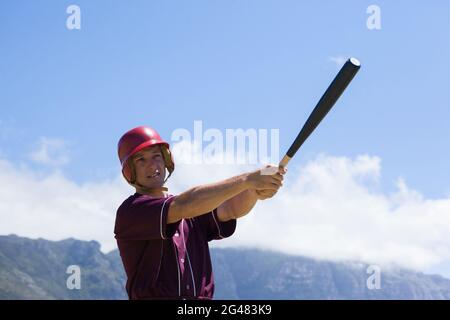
point(263, 194)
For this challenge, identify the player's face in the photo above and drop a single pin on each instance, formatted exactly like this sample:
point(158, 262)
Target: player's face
point(150, 169)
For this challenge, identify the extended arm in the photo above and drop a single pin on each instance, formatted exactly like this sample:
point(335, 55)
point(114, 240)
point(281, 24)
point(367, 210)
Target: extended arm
point(203, 199)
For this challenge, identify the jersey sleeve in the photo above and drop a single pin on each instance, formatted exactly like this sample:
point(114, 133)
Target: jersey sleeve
point(214, 228)
point(145, 218)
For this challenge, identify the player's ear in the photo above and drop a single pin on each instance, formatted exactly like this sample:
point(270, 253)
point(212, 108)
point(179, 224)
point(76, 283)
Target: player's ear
point(132, 170)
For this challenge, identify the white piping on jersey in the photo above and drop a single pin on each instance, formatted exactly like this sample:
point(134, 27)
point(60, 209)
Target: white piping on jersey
point(178, 269)
point(217, 225)
point(189, 260)
point(161, 219)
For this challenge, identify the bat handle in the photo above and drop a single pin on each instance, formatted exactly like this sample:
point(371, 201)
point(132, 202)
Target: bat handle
point(283, 163)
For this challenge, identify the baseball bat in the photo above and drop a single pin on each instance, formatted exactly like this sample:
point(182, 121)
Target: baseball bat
point(326, 102)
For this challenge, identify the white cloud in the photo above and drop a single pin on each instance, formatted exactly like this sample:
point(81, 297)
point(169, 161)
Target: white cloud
point(331, 208)
point(52, 207)
point(338, 60)
point(50, 151)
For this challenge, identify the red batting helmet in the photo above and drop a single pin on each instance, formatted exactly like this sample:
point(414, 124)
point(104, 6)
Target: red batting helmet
point(137, 139)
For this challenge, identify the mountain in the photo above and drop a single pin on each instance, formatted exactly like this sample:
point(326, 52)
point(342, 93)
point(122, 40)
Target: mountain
point(254, 274)
point(36, 269)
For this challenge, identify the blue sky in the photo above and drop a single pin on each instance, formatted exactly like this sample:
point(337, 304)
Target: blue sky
point(231, 64)
point(68, 95)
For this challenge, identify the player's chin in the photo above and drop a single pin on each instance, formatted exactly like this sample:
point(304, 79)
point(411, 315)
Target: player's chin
point(157, 183)
point(151, 183)
point(154, 184)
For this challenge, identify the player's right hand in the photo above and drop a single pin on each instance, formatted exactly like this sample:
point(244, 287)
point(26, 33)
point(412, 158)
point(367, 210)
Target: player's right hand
point(268, 178)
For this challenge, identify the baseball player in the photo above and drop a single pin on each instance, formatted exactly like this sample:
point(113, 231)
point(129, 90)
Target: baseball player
point(163, 238)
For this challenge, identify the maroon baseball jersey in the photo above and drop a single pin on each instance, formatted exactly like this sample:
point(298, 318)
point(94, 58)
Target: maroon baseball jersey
point(166, 261)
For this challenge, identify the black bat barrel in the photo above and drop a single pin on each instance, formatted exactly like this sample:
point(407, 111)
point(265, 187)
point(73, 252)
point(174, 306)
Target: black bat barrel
point(329, 98)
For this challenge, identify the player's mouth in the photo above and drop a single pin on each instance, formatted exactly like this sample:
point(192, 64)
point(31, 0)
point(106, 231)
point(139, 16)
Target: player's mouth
point(156, 174)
